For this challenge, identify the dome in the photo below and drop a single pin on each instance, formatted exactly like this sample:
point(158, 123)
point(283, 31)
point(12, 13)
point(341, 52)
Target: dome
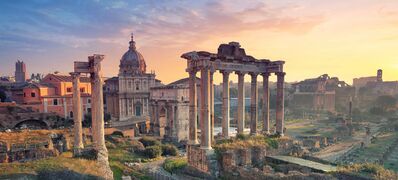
point(132, 62)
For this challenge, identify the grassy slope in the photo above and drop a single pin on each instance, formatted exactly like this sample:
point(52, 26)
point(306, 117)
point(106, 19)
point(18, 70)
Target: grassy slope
point(62, 162)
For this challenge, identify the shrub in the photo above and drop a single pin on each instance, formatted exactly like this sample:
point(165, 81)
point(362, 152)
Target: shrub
point(149, 141)
point(90, 154)
point(242, 136)
point(273, 143)
point(117, 133)
point(169, 149)
point(136, 147)
point(173, 165)
point(153, 151)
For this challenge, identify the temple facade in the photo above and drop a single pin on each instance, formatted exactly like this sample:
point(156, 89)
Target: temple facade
point(127, 95)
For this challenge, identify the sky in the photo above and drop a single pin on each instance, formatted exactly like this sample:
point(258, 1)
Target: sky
point(342, 38)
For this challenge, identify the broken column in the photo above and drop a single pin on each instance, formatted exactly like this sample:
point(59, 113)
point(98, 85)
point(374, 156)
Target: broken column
point(77, 115)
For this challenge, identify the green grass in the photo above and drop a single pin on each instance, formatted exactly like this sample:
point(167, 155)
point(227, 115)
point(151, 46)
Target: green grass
point(174, 164)
point(60, 163)
point(369, 170)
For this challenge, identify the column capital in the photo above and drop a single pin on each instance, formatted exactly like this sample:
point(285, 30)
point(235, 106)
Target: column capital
point(240, 73)
point(280, 73)
point(225, 72)
point(253, 74)
point(264, 74)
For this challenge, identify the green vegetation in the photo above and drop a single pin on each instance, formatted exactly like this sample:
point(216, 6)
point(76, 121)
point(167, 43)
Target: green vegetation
point(149, 141)
point(153, 151)
point(369, 170)
point(169, 150)
point(175, 164)
point(64, 162)
point(246, 141)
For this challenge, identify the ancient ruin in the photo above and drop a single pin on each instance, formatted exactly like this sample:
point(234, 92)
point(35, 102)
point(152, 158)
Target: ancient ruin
point(93, 67)
point(230, 58)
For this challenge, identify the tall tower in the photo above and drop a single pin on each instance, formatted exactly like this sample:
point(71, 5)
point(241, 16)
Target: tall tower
point(20, 71)
point(379, 75)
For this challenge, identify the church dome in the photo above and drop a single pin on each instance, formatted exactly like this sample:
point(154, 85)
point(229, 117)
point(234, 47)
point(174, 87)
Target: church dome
point(132, 62)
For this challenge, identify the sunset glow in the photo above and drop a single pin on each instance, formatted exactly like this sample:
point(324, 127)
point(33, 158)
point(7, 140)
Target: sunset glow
point(347, 39)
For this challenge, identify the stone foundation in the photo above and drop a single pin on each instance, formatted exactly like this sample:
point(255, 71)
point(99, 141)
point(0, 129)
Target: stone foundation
point(202, 160)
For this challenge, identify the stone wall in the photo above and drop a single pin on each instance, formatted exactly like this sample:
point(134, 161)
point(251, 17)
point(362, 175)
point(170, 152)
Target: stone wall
point(202, 160)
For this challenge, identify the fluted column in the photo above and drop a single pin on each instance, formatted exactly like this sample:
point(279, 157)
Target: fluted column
point(253, 104)
point(280, 103)
point(265, 106)
point(193, 129)
point(211, 105)
point(77, 115)
point(98, 102)
point(225, 104)
point(241, 102)
point(205, 121)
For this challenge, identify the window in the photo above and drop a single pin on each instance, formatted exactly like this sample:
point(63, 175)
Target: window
point(24, 95)
point(82, 90)
point(33, 94)
point(88, 101)
point(69, 89)
point(137, 86)
point(138, 110)
point(55, 102)
point(71, 114)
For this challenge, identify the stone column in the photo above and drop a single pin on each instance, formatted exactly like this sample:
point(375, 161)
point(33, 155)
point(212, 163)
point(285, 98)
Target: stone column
point(77, 115)
point(211, 105)
point(241, 101)
point(253, 104)
point(205, 121)
point(93, 112)
point(265, 110)
point(193, 131)
point(225, 104)
point(280, 110)
point(98, 103)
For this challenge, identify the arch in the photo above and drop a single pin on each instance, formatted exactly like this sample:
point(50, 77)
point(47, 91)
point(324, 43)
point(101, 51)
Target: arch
point(31, 124)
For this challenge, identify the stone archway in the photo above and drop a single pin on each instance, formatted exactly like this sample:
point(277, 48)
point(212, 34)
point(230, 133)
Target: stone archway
point(31, 124)
point(162, 120)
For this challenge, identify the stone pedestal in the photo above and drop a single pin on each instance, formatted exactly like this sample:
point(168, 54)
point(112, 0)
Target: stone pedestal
point(203, 160)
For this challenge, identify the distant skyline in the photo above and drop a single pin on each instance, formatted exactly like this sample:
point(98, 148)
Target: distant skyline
point(343, 38)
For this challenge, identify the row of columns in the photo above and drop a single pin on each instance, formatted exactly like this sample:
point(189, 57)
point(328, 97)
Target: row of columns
point(207, 105)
